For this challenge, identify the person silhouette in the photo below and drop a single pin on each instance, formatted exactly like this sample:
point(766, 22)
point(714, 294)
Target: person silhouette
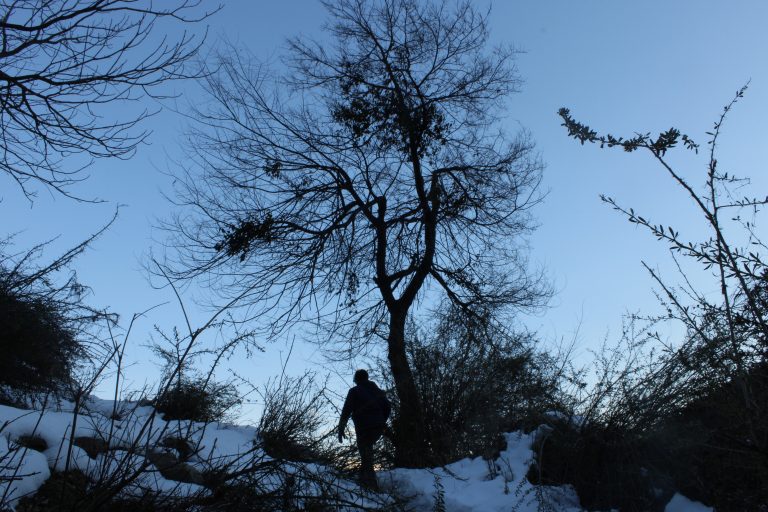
point(370, 409)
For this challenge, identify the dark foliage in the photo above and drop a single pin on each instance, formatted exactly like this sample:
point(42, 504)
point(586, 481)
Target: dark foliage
point(39, 346)
point(609, 468)
point(292, 419)
point(72, 491)
point(46, 327)
point(196, 399)
point(716, 445)
point(62, 492)
point(477, 380)
point(702, 450)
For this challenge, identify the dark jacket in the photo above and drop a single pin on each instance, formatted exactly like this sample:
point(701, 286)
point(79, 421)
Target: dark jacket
point(368, 406)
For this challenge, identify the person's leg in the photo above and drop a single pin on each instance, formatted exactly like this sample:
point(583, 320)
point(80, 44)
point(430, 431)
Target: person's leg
point(366, 438)
point(367, 474)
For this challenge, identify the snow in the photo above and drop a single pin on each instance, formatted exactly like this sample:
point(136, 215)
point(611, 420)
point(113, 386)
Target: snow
point(473, 484)
point(680, 503)
point(23, 471)
point(478, 484)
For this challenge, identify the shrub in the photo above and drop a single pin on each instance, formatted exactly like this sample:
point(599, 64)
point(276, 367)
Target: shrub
point(476, 380)
point(692, 414)
point(631, 457)
point(39, 348)
point(292, 418)
point(197, 399)
point(711, 441)
point(45, 325)
point(609, 468)
point(62, 492)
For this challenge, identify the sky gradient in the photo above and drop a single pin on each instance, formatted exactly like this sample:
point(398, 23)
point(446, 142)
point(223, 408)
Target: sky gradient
point(622, 67)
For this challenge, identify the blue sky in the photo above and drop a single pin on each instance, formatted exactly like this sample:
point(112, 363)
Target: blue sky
point(620, 66)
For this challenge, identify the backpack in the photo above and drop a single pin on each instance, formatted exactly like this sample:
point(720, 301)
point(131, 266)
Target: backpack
point(375, 408)
point(386, 407)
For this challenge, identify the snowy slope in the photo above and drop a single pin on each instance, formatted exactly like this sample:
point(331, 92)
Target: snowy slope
point(122, 446)
point(137, 440)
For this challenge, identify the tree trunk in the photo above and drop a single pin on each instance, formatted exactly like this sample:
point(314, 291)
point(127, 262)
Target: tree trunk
point(411, 443)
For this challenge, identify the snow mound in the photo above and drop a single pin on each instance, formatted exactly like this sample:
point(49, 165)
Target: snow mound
point(108, 438)
point(478, 484)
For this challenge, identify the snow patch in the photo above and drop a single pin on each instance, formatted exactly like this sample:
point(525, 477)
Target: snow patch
point(680, 503)
point(478, 484)
point(22, 471)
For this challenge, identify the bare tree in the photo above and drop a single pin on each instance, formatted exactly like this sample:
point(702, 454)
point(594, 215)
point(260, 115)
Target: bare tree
point(64, 62)
point(369, 180)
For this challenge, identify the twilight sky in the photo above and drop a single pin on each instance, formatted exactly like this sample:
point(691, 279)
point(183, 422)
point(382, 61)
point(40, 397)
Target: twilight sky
point(620, 66)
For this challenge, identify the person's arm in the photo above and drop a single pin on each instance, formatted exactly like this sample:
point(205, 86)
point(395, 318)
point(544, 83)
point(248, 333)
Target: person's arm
point(346, 412)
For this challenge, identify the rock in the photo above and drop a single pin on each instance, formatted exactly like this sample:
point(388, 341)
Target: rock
point(32, 442)
point(162, 459)
point(183, 472)
point(173, 469)
point(93, 446)
point(182, 446)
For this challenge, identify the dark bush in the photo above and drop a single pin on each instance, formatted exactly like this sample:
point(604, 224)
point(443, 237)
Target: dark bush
point(694, 411)
point(73, 491)
point(653, 425)
point(62, 492)
point(476, 381)
point(717, 443)
point(39, 348)
point(45, 325)
point(610, 469)
point(197, 399)
point(293, 415)
point(703, 451)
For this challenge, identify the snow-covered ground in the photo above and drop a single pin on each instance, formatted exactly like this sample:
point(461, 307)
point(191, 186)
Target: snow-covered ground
point(137, 440)
point(124, 445)
point(479, 484)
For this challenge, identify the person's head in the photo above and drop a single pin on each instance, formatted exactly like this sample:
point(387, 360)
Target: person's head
point(360, 377)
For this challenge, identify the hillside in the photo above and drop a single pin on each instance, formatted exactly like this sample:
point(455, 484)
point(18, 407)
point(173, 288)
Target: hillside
point(124, 456)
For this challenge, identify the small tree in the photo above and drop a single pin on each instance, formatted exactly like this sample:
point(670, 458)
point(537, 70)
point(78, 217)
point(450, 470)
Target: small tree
point(64, 62)
point(378, 180)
